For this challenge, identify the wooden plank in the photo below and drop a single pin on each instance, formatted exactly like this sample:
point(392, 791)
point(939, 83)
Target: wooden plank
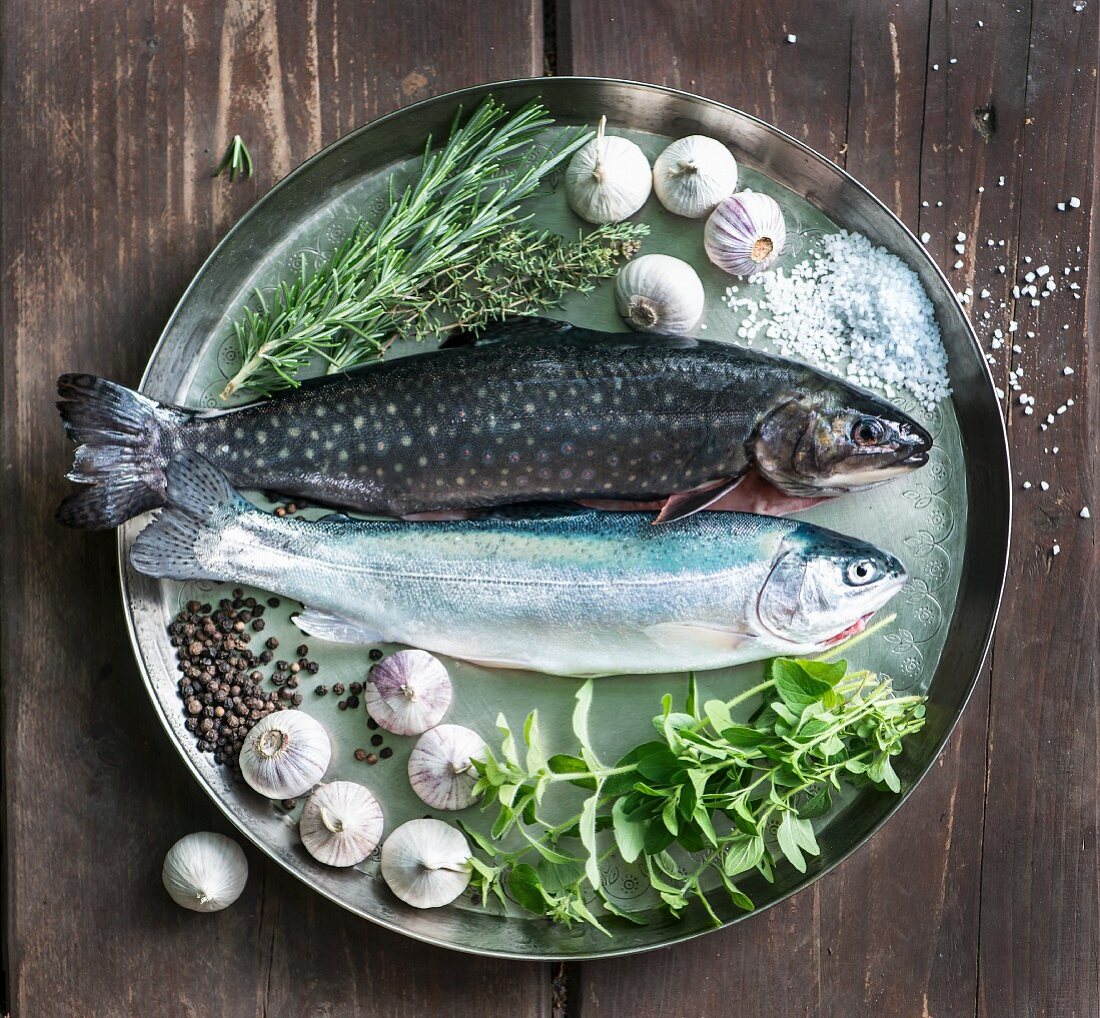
point(1040, 905)
point(896, 929)
point(114, 115)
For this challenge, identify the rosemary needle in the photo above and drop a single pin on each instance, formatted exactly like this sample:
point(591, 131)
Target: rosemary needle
point(236, 160)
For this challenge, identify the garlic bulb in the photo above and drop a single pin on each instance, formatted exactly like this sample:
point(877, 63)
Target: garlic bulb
point(659, 293)
point(693, 175)
point(440, 770)
point(205, 872)
point(285, 754)
point(426, 863)
point(408, 692)
point(341, 823)
point(745, 233)
point(608, 179)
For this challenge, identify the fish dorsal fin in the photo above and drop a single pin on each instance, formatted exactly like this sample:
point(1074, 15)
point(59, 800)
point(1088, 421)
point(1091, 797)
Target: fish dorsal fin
point(326, 625)
point(523, 327)
point(685, 503)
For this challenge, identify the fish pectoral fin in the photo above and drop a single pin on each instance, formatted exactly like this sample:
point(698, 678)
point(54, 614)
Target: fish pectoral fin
point(705, 634)
point(521, 664)
point(336, 628)
point(685, 503)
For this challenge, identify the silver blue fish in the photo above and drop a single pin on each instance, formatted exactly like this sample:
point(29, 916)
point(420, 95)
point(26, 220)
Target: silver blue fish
point(567, 593)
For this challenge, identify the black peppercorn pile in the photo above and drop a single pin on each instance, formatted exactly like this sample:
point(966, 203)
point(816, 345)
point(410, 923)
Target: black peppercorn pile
point(222, 687)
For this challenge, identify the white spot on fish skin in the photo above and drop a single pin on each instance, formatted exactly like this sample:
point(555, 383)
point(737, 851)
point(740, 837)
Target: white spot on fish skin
point(328, 445)
point(423, 461)
point(259, 461)
point(597, 398)
point(284, 453)
point(310, 454)
point(200, 448)
point(397, 468)
point(406, 440)
point(294, 432)
point(380, 472)
point(361, 447)
point(337, 428)
point(342, 455)
point(238, 432)
point(391, 408)
point(529, 408)
point(341, 408)
point(358, 421)
point(224, 449)
point(439, 482)
point(460, 480)
point(432, 430)
point(320, 410)
point(261, 437)
point(314, 436)
point(275, 421)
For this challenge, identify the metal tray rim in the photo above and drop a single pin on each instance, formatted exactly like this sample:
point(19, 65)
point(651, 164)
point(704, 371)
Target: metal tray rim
point(478, 92)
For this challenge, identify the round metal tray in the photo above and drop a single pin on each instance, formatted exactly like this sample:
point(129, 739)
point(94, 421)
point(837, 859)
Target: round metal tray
point(949, 522)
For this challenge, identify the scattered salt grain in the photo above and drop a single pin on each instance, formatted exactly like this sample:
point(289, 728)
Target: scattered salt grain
point(960, 236)
point(1042, 270)
point(1056, 550)
point(853, 308)
point(792, 38)
point(925, 238)
point(1000, 181)
point(1061, 206)
point(1026, 485)
point(1044, 486)
point(1075, 203)
point(958, 265)
point(1084, 513)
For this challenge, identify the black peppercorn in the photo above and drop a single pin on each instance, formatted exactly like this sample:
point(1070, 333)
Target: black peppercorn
point(372, 724)
point(385, 753)
point(376, 740)
point(321, 690)
point(360, 755)
point(371, 758)
point(353, 702)
point(375, 654)
point(356, 688)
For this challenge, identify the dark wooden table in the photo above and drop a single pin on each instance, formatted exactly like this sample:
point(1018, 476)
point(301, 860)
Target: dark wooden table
point(980, 897)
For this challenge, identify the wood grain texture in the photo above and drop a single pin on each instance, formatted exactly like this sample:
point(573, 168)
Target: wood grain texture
point(114, 116)
point(981, 897)
point(968, 901)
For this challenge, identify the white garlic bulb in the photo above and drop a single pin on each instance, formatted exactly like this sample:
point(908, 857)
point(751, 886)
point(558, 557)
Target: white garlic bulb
point(608, 179)
point(745, 233)
point(285, 754)
point(205, 872)
point(426, 863)
point(693, 175)
point(408, 692)
point(341, 823)
point(659, 293)
point(440, 767)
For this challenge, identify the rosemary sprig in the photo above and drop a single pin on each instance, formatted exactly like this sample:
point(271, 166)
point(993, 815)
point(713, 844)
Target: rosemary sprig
point(236, 160)
point(727, 797)
point(346, 310)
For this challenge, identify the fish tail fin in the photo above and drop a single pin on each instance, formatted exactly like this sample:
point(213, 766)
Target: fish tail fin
point(124, 442)
point(179, 543)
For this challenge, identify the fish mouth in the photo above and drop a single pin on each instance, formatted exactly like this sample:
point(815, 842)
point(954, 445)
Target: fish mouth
point(913, 444)
point(854, 629)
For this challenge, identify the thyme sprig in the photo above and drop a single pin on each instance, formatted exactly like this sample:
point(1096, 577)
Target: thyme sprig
point(347, 310)
point(710, 800)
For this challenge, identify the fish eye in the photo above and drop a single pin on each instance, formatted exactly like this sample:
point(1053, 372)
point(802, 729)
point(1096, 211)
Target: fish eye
point(860, 571)
point(868, 431)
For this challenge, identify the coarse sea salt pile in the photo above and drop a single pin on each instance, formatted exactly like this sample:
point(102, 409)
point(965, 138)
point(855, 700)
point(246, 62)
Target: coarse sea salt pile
point(853, 309)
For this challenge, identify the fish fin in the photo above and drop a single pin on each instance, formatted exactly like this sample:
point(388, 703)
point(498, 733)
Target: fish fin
point(502, 662)
point(124, 444)
point(756, 494)
point(438, 515)
point(685, 503)
point(200, 502)
point(336, 517)
point(523, 327)
point(326, 625)
point(706, 634)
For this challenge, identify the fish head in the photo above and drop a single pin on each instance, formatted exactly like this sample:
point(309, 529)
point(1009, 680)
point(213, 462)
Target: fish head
point(824, 587)
point(836, 441)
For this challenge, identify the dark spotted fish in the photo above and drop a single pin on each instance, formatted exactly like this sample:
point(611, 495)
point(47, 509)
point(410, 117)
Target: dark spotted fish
point(573, 593)
point(535, 411)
